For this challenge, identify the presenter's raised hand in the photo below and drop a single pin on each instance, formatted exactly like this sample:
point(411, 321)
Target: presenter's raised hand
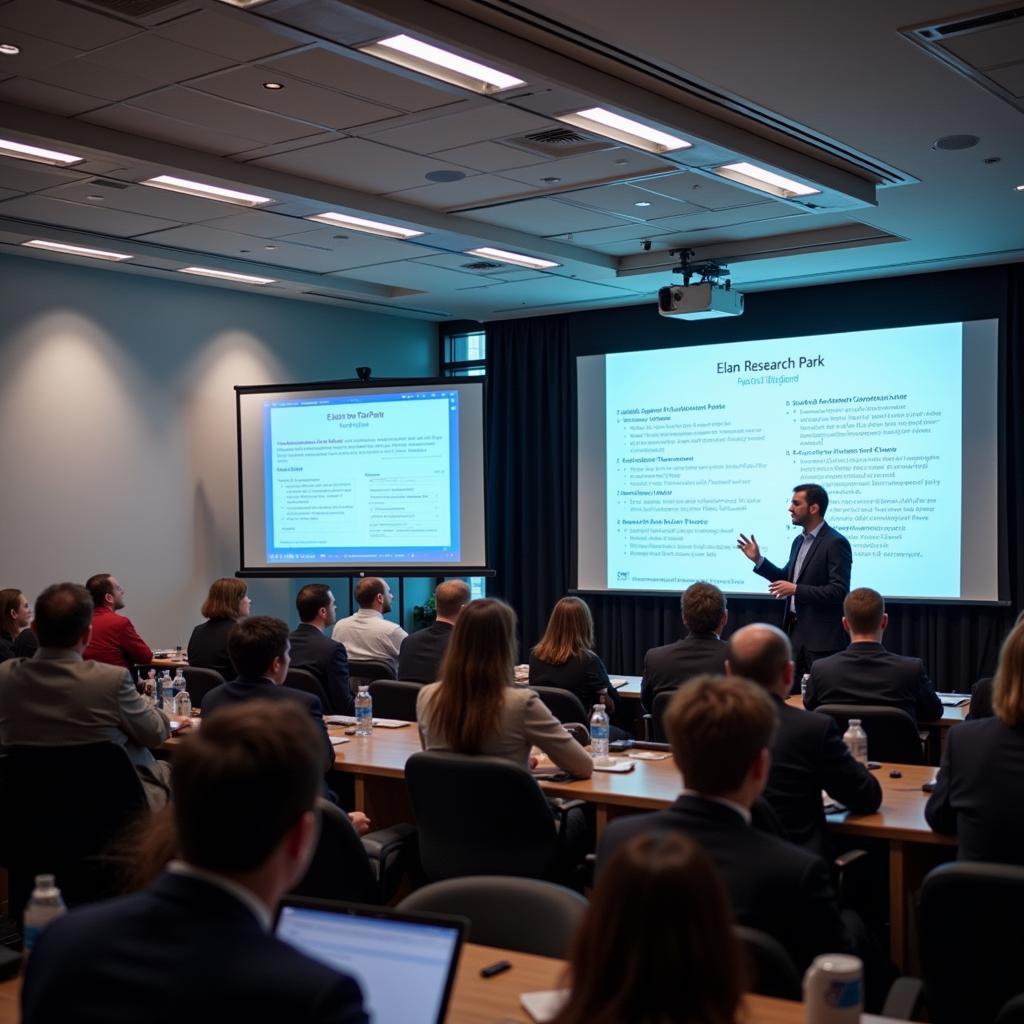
point(748, 545)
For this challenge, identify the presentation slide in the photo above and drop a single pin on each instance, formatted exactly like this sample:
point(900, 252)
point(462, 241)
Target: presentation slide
point(681, 450)
point(362, 476)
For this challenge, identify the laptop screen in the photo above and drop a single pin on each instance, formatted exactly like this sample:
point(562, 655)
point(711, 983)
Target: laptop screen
point(404, 964)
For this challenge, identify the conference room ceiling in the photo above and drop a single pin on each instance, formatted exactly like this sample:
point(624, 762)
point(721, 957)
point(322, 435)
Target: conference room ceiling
point(849, 104)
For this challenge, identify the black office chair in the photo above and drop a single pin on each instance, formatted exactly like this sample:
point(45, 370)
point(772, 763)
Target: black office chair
point(486, 816)
point(199, 682)
point(362, 673)
point(1012, 1012)
point(770, 969)
point(981, 699)
point(653, 722)
point(892, 733)
point(972, 943)
point(61, 808)
point(393, 698)
point(564, 705)
point(524, 914)
point(300, 679)
point(345, 867)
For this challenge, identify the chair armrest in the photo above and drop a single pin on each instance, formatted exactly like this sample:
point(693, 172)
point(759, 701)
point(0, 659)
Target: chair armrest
point(905, 999)
point(848, 875)
point(387, 850)
point(382, 842)
point(648, 727)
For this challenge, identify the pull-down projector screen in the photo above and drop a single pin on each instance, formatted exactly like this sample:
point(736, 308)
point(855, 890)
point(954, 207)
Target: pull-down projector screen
point(681, 450)
point(372, 478)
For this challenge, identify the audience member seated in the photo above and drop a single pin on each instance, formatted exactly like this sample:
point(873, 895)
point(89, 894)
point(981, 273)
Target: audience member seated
point(808, 754)
point(866, 673)
point(366, 634)
point(421, 654)
point(59, 699)
point(978, 791)
point(721, 732)
point(319, 655)
point(981, 692)
point(226, 603)
point(16, 639)
point(656, 943)
point(700, 652)
point(114, 639)
point(245, 789)
point(565, 656)
point(477, 709)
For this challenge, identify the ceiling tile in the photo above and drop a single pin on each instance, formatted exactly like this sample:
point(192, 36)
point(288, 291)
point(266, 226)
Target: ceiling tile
point(414, 275)
point(701, 191)
point(78, 215)
point(999, 44)
point(720, 218)
point(93, 80)
point(484, 123)
point(65, 23)
point(612, 164)
point(25, 177)
point(261, 224)
point(36, 53)
point(364, 250)
point(152, 202)
point(490, 156)
point(161, 61)
point(297, 99)
point(241, 37)
point(40, 96)
point(543, 217)
point(553, 290)
point(632, 233)
point(1010, 78)
point(6, 193)
point(453, 195)
point(622, 199)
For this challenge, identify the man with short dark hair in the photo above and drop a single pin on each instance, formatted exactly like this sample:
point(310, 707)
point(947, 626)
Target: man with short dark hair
point(421, 654)
point(808, 754)
point(59, 698)
point(813, 583)
point(721, 733)
point(319, 655)
point(701, 651)
point(366, 634)
point(245, 789)
point(866, 673)
point(114, 639)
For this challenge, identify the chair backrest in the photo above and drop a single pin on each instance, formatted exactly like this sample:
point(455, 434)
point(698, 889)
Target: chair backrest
point(1012, 1012)
point(971, 939)
point(479, 816)
point(362, 673)
point(393, 698)
point(340, 868)
point(892, 733)
point(61, 809)
point(524, 914)
point(199, 682)
point(771, 969)
point(300, 679)
point(658, 708)
point(564, 705)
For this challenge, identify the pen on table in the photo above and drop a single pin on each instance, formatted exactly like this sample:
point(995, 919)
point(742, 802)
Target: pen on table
point(499, 967)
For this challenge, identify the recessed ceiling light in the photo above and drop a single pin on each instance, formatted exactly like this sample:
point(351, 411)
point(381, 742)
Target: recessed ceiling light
point(642, 204)
point(273, 86)
point(77, 250)
point(9, 50)
point(625, 129)
point(243, 3)
point(95, 199)
point(204, 191)
point(954, 142)
point(515, 258)
point(437, 63)
point(226, 275)
point(370, 227)
point(37, 154)
point(764, 180)
point(1019, 188)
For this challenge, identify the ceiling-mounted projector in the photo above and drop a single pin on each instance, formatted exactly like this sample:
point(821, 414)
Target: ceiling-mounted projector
point(699, 301)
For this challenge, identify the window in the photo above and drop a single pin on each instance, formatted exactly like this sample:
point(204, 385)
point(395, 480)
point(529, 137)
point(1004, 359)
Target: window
point(463, 355)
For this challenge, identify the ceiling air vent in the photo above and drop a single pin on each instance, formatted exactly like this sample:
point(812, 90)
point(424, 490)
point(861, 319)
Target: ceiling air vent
point(558, 142)
point(482, 265)
point(118, 186)
point(986, 48)
point(138, 10)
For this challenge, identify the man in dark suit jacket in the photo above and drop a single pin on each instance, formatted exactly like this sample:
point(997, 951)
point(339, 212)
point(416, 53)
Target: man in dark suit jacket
point(808, 754)
point(813, 583)
point(701, 652)
point(325, 658)
point(245, 789)
point(421, 653)
point(721, 733)
point(866, 673)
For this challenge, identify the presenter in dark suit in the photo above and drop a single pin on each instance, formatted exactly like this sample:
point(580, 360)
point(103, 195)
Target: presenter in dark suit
point(325, 658)
point(421, 653)
point(978, 790)
point(866, 673)
point(700, 652)
point(813, 583)
point(196, 945)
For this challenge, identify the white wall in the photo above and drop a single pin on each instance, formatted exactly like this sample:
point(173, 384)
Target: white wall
point(117, 425)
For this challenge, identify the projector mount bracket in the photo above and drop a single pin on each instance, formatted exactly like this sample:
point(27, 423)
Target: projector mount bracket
point(706, 270)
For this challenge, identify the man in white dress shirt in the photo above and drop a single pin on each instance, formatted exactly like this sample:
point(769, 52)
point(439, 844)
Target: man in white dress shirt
point(367, 635)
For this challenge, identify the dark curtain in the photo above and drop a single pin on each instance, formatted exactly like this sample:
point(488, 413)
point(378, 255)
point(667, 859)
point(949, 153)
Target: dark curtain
point(532, 461)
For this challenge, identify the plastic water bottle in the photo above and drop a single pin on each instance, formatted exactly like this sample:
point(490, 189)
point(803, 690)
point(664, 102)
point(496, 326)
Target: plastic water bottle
point(166, 692)
point(44, 905)
point(178, 684)
point(599, 734)
point(804, 680)
point(364, 712)
point(856, 740)
point(182, 704)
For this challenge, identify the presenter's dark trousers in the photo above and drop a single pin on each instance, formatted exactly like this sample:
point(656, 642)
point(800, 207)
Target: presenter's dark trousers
point(803, 657)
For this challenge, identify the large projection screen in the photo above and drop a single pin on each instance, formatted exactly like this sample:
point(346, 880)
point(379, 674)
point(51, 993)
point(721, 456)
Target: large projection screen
point(681, 450)
point(362, 478)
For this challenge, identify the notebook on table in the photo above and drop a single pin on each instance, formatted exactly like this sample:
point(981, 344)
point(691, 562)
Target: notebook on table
point(404, 963)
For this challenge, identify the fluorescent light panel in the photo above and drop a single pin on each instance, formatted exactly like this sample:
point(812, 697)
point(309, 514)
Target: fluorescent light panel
point(764, 180)
point(625, 129)
point(370, 227)
point(437, 63)
point(226, 275)
point(515, 258)
point(198, 188)
point(37, 154)
point(76, 250)
point(243, 3)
